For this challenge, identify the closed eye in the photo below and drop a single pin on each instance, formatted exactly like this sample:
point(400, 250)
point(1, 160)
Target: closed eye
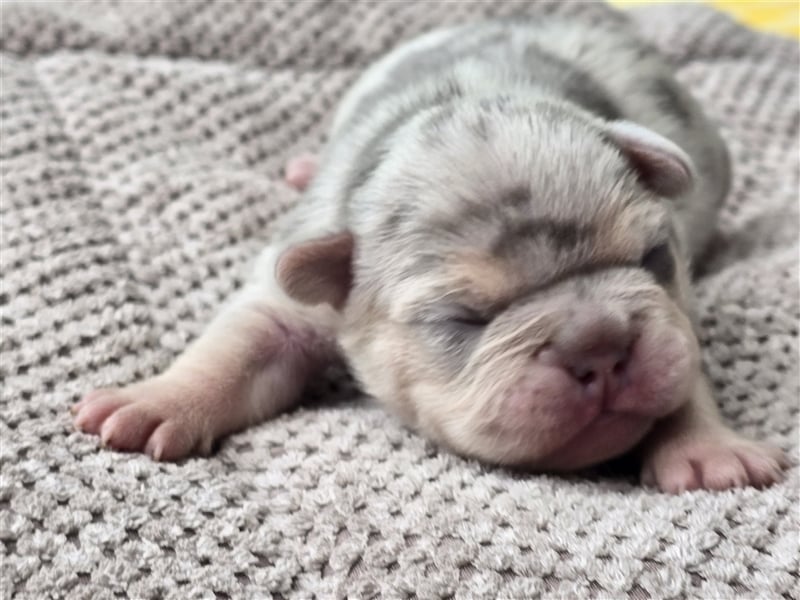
point(455, 331)
point(451, 314)
point(660, 263)
point(453, 327)
point(467, 317)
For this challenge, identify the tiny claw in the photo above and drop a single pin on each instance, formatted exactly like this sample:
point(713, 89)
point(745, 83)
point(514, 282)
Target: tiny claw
point(154, 450)
point(79, 422)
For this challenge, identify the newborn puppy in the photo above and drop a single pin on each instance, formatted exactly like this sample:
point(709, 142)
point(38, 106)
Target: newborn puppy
point(498, 238)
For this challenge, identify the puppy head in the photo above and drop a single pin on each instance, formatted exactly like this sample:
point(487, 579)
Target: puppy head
point(514, 291)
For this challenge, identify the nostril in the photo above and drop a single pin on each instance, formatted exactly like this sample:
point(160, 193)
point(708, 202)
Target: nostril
point(584, 376)
point(605, 367)
point(619, 366)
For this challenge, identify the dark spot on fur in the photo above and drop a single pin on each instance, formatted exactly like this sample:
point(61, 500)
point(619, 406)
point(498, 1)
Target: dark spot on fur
point(576, 85)
point(368, 161)
point(394, 222)
point(448, 90)
point(561, 234)
point(517, 197)
point(396, 219)
point(671, 100)
point(375, 149)
point(481, 210)
point(580, 91)
point(640, 48)
point(471, 212)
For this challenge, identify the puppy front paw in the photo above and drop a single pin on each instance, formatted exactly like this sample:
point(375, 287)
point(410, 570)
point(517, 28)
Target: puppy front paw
point(154, 417)
point(714, 461)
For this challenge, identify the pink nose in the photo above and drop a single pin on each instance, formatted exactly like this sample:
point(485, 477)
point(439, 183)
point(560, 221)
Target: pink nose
point(595, 351)
point(600, 372)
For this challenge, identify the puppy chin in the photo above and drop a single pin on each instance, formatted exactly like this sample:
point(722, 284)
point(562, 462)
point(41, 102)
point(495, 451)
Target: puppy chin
point(608, 436)
point(605, 437)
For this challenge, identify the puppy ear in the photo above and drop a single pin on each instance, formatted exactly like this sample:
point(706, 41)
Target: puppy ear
point(318, 270)
point(660, 163)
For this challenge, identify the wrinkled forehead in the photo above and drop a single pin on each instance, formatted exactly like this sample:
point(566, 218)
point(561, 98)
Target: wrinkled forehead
point(514, 200)
point(511, 169)
point(469, 237)
point(499, 150)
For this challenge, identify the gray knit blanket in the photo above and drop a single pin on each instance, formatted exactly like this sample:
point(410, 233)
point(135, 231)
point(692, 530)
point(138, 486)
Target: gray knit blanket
point(141, 156)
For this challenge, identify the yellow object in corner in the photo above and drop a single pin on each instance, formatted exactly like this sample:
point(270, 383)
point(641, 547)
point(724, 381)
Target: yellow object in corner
point(779, 17)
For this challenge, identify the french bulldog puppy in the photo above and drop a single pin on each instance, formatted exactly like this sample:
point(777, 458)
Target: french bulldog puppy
point(498, 239)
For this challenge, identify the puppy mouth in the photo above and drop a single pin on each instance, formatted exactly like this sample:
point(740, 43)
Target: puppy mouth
point(608, 435)
point(614, 423)
point(591, 433)
point(557, 418)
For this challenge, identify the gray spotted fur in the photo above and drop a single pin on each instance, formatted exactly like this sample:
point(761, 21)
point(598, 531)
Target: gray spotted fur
point(483, 74)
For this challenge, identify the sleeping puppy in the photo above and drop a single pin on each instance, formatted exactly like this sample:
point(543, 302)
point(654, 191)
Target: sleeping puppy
point(498, 239)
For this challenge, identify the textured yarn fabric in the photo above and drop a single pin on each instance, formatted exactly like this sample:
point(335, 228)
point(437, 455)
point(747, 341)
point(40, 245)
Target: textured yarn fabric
point(141, 155)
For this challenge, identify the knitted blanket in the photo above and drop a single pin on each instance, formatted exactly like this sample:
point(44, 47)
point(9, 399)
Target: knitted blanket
point(141, 156)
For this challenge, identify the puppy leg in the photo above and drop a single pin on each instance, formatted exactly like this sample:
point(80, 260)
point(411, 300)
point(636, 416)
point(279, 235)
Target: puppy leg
point(300, 170)
point(250, 364)
point(693, 449)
